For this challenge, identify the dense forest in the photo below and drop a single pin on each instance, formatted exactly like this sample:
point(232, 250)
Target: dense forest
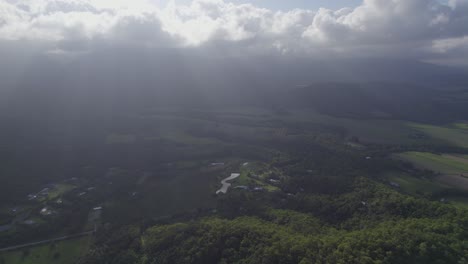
point(370, 224)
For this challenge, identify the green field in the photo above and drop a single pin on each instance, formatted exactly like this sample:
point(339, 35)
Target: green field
point(444, 163)
point(426, 187)
point(235, 124)
point(413, 185)
point(392, 131)
point(261, 181)
point(59, 190)
point(461, 125)
point(456, 135)
point(368, 130)
point(62, 252)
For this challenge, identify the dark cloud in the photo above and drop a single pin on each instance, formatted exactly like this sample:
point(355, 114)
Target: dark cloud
point(420, 29)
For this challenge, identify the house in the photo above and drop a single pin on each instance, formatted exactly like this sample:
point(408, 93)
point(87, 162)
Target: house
point(242, 187)
point(274, 181)
point(258, 189)
point(46, 211)
point(394, 184)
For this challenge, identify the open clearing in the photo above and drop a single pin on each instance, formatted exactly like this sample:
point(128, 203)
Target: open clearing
point(370, 130)
point(444, 163)
point(427, 187)
point(59, 190)
point(68, 251)
point(457, 136)
point(454, 180)
point(453, 169)
point(413, 185)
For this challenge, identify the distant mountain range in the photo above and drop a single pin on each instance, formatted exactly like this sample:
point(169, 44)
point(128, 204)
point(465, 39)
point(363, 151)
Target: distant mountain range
point(113, 82)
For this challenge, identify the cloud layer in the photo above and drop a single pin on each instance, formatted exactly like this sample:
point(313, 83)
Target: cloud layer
point(423, 29)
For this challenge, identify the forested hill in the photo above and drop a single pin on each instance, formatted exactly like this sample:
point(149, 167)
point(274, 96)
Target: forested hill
point(372, 224)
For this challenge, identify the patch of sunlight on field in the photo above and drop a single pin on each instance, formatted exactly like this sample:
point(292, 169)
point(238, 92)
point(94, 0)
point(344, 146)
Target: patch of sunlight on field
point(455, 136)
point(463, 125)
point(62, 252)
point(368, 130)
point(444, 163)
point(59, 190)
point(413, 185)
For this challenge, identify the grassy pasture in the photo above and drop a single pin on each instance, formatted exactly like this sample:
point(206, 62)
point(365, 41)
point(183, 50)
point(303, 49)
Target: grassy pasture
point(426, 187)
point(457, 136)
point(68, 251)
point(413, 185)
point(59, 190)
point(235, 124)
point(454, 180)
point(368, 130)
point(390, 131)
point(453, 168)
point(461, 125)
point(444, 163)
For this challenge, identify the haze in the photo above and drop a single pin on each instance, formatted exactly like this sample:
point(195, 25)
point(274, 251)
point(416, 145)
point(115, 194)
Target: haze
point(233, 131)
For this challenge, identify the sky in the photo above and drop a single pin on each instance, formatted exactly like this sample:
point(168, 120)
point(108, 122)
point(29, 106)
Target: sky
point(98, 49)
point(285, 4)
point(426, 30)
point(117, 43)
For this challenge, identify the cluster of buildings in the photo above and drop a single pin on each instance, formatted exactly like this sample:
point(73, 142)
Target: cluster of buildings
point(247, 188)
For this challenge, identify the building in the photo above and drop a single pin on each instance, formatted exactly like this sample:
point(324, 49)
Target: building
point(46, 211)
